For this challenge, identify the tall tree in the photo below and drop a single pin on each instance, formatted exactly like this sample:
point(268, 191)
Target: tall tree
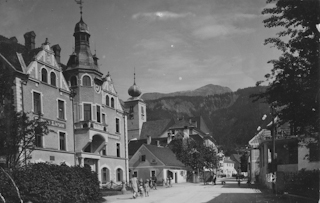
point(18, 132)
point(294, 80)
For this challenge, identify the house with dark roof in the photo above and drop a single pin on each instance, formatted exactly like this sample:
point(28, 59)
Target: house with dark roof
point(159, 161)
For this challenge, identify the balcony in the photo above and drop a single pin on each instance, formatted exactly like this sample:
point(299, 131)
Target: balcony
point(91, 125)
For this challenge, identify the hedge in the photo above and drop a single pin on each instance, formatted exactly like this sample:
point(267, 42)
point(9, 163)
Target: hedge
point(49, 183)
point(304, 183)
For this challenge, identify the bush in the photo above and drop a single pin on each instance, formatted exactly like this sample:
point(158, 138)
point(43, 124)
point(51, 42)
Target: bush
point(49, 183)
point(304, 183)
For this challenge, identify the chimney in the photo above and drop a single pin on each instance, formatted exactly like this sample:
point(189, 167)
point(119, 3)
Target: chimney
point(56, 49)
point(29, 39)
point(148, 139)
point(169, 138)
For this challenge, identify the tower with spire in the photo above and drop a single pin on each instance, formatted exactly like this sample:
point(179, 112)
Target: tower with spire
point(137, 111)
point(99, 120)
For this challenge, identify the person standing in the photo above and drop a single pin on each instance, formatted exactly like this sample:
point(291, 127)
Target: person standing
point(134, 185)
point(146, 188)
point(154, 180)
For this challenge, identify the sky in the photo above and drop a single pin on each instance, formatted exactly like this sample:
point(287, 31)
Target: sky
point(173, 45)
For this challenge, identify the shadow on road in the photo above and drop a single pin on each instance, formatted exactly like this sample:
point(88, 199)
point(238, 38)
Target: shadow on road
point(254, 198)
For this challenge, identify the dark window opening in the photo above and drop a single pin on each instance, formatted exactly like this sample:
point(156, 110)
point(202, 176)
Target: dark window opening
point(118, 149)
point(61, 109)
point(112, 102)
point(37, 103)
point(98, 114)
point(53, 78)
point(62, 138)
point(87, 112)
point(86, 81)
point(44, 75)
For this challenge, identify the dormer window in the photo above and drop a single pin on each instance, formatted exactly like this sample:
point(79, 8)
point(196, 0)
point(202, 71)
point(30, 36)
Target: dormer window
point(86, 81)
point(112, 102)
point(107, 100)
point(44, 75)
point(53, 79)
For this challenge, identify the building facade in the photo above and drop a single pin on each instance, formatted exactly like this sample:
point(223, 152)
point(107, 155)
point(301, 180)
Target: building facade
point(87, 124)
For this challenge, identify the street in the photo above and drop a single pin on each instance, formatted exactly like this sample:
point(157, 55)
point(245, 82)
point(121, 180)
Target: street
point(194, 193)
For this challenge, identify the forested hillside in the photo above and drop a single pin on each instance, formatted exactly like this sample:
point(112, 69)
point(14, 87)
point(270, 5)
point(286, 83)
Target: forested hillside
point(232, 117)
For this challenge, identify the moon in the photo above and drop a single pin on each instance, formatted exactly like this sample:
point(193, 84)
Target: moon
point(180, 78)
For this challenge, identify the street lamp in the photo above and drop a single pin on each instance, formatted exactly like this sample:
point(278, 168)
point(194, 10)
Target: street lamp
point(318, 28)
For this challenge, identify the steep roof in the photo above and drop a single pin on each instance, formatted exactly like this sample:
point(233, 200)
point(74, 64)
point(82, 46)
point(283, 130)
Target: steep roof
point(134, 145)
point(9, 49)
point(165, 155)
point(155, 128)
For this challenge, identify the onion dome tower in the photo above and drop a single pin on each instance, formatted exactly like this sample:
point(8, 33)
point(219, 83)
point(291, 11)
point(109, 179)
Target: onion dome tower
point(136, 108)
point(134, 91)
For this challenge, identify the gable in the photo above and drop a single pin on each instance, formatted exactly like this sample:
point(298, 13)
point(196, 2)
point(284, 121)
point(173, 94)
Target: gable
point(151, 160)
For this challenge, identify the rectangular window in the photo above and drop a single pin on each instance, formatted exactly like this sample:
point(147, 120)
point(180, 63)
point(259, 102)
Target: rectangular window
point(104, 119)
point(143, 158)
point(118, 149)
point(153, 173)
point(37, 103)
point(117, 125)
point(98, 114)
point(87, 112)
point(313, 152)
point(38, 141)
point(61, 109)
point(62, 140)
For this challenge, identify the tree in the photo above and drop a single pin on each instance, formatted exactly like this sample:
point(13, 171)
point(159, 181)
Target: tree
point(18, 132)
point(195, 156)
point(294, 79)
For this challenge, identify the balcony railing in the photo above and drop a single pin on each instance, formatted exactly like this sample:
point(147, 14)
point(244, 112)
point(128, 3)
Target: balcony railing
point(91, 125)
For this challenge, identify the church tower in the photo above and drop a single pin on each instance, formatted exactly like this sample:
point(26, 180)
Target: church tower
point(137, 111)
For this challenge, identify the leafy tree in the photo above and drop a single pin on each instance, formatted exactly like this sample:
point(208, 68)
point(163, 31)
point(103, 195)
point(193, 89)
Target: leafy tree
point(194, 155)
point(294, 80)
point(18, 132)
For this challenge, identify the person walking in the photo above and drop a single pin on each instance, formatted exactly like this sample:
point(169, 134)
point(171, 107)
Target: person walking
point(134, 186)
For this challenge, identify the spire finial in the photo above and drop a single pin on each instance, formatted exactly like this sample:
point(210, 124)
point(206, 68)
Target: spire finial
point(134, 75)
point(80, 3)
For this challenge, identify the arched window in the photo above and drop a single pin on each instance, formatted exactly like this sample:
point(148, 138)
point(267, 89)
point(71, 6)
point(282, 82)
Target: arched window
point(44, 75)
point(53, 78)
point(86, 81)
point(107, 100)
point(73, 81)
point(105, 175)
point(112, 102)
point(119, 174)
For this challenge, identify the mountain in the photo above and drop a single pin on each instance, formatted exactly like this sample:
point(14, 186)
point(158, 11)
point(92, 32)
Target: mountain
point(232, 117)
point(202, 91)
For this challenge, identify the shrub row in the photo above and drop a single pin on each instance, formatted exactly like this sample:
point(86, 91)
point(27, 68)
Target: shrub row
point(304, 183)
point(49, 183)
